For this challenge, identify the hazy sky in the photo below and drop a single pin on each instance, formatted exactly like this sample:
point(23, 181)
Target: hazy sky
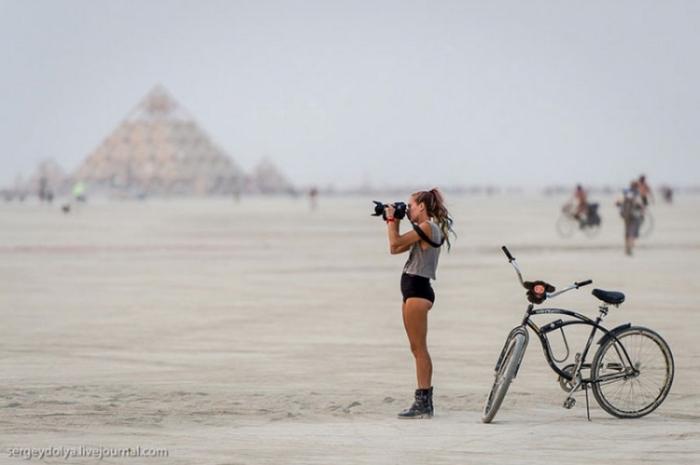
point(419, 92)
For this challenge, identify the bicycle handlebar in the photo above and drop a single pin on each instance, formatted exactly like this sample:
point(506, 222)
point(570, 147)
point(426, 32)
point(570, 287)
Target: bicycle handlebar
point(573, 286)
point(505, 251)
point(511, 260)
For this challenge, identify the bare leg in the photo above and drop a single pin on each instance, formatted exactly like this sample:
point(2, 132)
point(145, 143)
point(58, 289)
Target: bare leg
point(628, 239)
point(415, 317)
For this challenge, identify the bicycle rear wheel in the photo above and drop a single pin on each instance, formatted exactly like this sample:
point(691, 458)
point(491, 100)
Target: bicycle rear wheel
point(506, 368)
point(632, 391)
point(647, 225)
point(591, 230)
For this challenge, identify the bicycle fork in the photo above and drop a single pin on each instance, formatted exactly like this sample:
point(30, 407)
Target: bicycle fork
point(515, 331)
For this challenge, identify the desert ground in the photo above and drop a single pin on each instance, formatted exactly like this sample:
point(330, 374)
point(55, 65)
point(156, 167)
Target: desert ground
point(262, 332)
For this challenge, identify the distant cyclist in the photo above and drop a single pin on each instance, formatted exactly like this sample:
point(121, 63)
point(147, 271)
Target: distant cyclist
point(580, 204)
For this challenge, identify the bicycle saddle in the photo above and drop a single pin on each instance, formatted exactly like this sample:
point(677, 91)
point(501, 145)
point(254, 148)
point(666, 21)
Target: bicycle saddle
point(609, 297)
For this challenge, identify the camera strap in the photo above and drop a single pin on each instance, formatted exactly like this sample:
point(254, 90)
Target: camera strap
point(422, 235)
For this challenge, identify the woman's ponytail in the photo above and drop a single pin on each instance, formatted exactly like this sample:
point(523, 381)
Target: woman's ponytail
point(435, 205)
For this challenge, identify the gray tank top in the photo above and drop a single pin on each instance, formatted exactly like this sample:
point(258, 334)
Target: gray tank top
point(424, 262)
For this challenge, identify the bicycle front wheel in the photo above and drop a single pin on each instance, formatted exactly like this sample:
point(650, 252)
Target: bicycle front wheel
point(632, 376)
point(506, 368)
point(566, 225)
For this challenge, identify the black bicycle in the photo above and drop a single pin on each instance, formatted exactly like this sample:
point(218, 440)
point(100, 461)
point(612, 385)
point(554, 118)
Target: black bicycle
point(647, 224)
point(589, 221)
point(631, 372)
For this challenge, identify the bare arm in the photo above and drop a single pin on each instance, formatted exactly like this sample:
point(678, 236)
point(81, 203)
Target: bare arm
point(399, 243)
point(396, 246)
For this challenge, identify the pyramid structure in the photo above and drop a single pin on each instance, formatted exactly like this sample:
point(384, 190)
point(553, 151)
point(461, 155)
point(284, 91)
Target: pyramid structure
point(266, 178)
point(159, 149)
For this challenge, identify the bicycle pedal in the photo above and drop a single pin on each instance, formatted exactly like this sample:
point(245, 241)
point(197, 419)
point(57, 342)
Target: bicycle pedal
point(569, 403)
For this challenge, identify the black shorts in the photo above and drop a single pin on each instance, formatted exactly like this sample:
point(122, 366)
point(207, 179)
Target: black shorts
point(416, 286)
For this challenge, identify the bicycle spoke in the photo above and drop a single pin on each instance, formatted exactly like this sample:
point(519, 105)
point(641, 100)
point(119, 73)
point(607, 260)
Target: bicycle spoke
point(640, 387)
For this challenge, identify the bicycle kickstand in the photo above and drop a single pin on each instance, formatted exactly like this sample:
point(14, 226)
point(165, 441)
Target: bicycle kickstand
point(588, 410)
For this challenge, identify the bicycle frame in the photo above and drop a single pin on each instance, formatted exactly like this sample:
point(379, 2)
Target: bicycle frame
point(541, 333)
point(611, 375)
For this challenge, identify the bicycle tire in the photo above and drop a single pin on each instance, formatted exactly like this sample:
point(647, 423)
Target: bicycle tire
point(656, 378)
point(510, 360)
point(566, 225)
point(591, 231)
point(647, 225)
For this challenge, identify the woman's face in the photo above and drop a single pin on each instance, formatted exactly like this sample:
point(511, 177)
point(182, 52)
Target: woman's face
point(414, 209)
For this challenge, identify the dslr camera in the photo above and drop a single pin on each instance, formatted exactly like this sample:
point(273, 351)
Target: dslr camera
point(399, 209)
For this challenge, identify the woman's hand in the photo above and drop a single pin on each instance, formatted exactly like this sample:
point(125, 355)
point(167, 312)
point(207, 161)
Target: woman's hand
point(389, 212)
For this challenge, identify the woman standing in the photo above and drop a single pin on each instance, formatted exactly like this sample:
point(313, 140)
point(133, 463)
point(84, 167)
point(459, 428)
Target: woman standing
point(431, 224)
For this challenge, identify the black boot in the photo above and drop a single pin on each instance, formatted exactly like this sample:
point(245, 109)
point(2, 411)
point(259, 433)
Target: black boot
point(422, 407)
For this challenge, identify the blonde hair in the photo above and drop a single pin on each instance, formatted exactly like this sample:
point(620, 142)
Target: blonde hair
point(435, 205)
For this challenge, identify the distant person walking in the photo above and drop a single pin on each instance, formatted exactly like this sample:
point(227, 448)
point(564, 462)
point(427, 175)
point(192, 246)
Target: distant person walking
point(431, 224)
point(667, 193)
point(79, 191)
point(632, 213)
point(313, 198)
